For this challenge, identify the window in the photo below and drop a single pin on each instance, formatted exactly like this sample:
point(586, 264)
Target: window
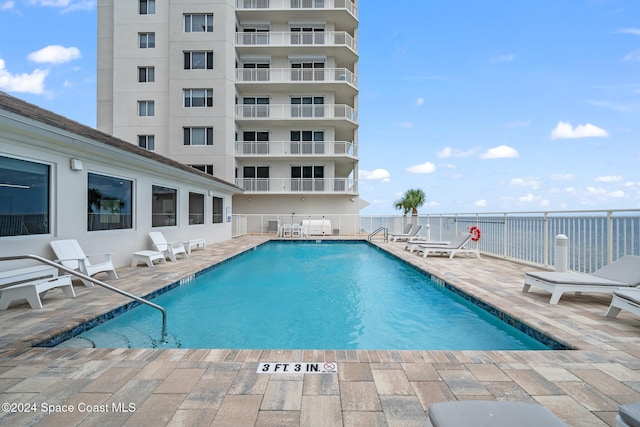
point(198, 23)
point(110, 200)
point(146, 108)
point(307, 178)
point(24, 197)
point(198, 136)
point(147, 142)
point(255, 142)
point(255, 72)
point(217, 210)
point(147, 40)
point(198, 60)
point(208, 169)
point(255, 107)
point(307, 106)
point(163, 206)
point(198, 97)
point(307, 35)
point(307, 142)
point(307, 71)
point(147, 7)
point(255, 178)
point(146, 74)
point(196, 208)
point(256, 35)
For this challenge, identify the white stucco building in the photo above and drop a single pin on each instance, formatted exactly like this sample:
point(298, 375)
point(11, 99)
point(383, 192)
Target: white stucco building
point(261, 93)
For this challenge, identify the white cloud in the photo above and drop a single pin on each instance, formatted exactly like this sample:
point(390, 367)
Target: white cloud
point(634, 31)
point(419, 102)
point(66, 5)
point(423, 168)
point(562, 176)
point(564, 130)
point(447, 152)
point(500, 152)
point(25, 83)
point(527, 199)
point(570, 190)
point(375, 175)
point(534, 183)
point(618, 194)
point(406, 125)
point(55, 54)
point(633, 56)
point(503, 58)
point(480, 203)
point(7, 5)
point(608, 178)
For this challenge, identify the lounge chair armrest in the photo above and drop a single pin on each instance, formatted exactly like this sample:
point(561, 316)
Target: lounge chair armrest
point(106, 256)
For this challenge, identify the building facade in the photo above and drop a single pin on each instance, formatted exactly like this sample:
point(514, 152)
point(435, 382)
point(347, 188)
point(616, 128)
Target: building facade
point(262, 93)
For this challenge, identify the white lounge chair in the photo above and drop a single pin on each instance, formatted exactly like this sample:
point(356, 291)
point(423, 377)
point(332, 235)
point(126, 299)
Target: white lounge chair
point(456, 246)
point(628, 415)
point(405, 236)
point(296, 230)
point(624, 299)
point(494, 413)
point(170, 250)
point(71, 255)
point(34, 290)
point(622, 273)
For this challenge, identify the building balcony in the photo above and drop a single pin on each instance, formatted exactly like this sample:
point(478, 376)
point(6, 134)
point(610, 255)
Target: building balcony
point(298, 185)
point(332, 10)
point(338, 44)
point(295, 149)
point(312, 113)
point(340, 78)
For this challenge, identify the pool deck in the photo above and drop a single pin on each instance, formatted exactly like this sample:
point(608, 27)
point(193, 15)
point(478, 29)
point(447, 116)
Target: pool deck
point(583, 387)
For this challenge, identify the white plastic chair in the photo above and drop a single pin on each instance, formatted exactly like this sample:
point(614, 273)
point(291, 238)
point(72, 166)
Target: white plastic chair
point(71, 255)
point(168, 249)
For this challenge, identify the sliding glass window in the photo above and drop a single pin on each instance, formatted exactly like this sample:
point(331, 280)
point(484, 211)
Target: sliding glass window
point(164, 206)
point(110, 200)
point(24, 197)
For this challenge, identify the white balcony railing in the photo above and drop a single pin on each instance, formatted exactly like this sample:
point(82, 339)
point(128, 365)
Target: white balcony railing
point(595, 238)
point(296, 75)
point(297, 38)
point(297, 112)
point(298, 4)
point(295, 148)
point(297, 185)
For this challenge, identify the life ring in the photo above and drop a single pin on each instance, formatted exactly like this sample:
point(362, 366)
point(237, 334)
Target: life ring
point(475, 233)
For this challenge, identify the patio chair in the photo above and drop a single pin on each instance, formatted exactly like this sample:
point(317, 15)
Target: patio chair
point(71, 255)
point(296, 230)
point(624, 299)
point(405, 236)
point(34, 290)
point(628, 415)
point(170, 250)
point(622, 273)
point(482, 413)
point(456, 246)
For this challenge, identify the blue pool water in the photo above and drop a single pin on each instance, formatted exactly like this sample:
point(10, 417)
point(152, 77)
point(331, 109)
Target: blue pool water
point(306, 295)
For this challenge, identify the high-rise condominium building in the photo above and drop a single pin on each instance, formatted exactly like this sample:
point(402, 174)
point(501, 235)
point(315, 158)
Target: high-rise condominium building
point(262, 93)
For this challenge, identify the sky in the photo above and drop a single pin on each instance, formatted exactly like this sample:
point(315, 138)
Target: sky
point(487, 106)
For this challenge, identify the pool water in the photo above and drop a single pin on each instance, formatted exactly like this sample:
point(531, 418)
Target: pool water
point(308, 295)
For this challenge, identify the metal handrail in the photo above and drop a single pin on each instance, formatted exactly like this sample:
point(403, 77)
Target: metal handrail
point(385, 231)
point(91, 279)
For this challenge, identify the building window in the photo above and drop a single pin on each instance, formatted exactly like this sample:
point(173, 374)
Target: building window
point(255, 106)
point(307, 71)
point(110, 200)
point(217, 210)
point(198, 60)
point(196, 208)
point(198, 136)
point(146, 74)
point(198, 23)
point(307, 106)
point(307, 142)
point(255, 178)
point(255, 142)
point(146, 108)
point(24, 197)
point(147, 40)
point(147, 7)
point(163, 206)
point(255, 71)
point(208, 169)
point(307, 178)
point(198, 97)
point(147, 142)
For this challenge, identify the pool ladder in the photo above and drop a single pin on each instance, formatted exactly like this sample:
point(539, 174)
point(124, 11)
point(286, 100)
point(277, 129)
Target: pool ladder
point(383, 230)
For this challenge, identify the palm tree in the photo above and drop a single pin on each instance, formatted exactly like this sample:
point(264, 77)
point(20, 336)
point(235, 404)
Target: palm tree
point(411, 201)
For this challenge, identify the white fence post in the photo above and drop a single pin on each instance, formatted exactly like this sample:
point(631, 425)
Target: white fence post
point(561, 253)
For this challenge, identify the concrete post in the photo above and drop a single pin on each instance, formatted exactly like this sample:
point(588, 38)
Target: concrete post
point(428, 232)
point(561, 251)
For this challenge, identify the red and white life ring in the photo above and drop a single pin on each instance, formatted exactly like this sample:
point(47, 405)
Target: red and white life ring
point(475, 233)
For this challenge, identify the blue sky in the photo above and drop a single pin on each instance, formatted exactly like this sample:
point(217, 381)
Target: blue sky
point(499, 105)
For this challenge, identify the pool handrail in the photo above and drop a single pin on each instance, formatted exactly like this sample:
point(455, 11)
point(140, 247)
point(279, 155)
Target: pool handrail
point(91, 279)
point(385, 233)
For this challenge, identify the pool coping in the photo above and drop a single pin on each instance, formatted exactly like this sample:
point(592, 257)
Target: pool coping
point(518, 324)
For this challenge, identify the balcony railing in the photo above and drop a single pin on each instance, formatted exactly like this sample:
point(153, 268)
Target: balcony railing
point(296, 75)
point(297, 185)
point(297, 112)
point(595, 238)
point(297, 38)
point(295, 148)
point(298, 4)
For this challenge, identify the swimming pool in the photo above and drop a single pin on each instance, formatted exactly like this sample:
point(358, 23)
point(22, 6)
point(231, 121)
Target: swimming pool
point(308, 295)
